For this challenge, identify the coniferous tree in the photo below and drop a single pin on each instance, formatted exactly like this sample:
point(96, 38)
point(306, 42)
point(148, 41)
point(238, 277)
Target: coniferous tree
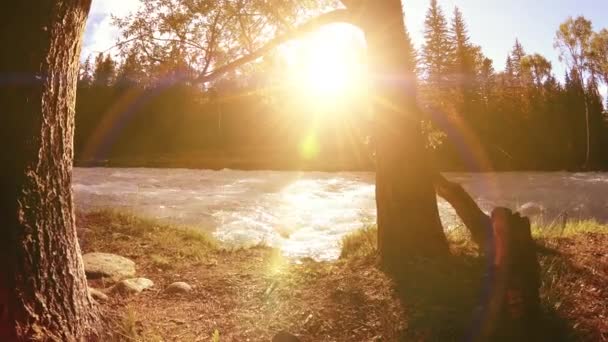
point(412, 59)
point(130, 71)
point(85, 77)
point(463, 51)
point(517, 54)
point(437, 52)
point(105, 70)
point(509, 68)
point(464, 68)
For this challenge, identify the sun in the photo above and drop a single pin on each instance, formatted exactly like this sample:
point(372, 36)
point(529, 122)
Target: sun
point(328, 76)
point(327, 64)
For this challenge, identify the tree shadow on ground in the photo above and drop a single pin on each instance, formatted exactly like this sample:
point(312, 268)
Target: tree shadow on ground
point(445, 300)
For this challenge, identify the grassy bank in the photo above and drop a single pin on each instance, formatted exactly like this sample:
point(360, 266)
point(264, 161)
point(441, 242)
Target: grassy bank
point(251, 294)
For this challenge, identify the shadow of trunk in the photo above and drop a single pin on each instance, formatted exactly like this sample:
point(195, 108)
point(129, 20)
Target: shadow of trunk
point(448, 300)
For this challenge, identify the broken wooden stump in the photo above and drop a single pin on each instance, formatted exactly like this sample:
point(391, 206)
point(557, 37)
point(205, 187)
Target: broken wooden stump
point(513, 307)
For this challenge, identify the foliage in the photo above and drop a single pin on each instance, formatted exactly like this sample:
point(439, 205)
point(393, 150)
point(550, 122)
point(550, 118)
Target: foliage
point(599, 54)
point(474, 117)
point(521, 118)
point(188, 38)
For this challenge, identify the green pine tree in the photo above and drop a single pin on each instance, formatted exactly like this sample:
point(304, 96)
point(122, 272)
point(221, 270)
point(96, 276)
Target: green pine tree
point(85, 78)
point(517, 54)
point(437, 52)
point(105, 70)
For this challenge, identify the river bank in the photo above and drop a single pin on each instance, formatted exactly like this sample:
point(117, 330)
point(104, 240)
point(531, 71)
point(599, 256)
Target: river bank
point(252, 294)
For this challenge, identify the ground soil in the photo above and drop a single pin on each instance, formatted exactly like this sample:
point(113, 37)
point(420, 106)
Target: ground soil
point(252, 294)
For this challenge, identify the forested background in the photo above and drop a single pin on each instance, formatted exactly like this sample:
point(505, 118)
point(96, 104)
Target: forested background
point(143, 107)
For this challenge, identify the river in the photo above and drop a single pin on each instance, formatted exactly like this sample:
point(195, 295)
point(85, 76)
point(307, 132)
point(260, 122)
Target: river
point(307, 213)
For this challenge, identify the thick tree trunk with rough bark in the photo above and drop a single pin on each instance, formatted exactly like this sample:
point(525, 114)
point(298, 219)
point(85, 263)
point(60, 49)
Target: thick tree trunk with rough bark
point(408, 218)
point(43, 289)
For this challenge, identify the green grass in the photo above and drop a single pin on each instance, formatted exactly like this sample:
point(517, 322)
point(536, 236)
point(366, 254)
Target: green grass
point(119, 222)
point(362, 242)
point(165, 245)
point(568, 229)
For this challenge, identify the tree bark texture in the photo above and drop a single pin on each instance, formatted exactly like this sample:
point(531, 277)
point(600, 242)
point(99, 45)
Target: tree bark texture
point(408, 218)
point(43, 289)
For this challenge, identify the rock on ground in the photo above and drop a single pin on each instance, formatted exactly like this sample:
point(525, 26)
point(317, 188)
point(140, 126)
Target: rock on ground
point(98, 295)
point(179, 287)
point(100, 265)
point(132, 286)
point(531, 209)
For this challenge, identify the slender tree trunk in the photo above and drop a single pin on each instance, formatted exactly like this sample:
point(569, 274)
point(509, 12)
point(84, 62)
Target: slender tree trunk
point(588, 131)
point(408, 218)
point(43, 289)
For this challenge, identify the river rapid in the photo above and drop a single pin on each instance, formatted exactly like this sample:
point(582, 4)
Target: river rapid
point(306, 214)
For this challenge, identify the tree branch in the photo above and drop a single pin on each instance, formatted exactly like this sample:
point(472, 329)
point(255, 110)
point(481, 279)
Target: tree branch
point(474, 219)
point(341, 15)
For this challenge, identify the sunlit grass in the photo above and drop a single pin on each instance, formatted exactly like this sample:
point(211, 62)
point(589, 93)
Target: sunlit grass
point(568, 228)
point(166, 245)
point(363, 242)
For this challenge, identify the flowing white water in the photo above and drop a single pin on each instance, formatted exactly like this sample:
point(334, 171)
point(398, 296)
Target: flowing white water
point(307, 213)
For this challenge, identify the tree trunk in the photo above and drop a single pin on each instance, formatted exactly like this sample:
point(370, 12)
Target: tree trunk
point(43, 289)
point(408, 218)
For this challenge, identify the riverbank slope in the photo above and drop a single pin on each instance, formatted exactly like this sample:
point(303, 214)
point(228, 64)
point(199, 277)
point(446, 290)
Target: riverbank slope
point(252, 294)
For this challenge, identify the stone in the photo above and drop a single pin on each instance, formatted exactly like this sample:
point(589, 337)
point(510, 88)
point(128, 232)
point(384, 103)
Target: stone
point(531, 209)
point(132, 286)
point(98, 295)
point(179, 287)
point(102, 265)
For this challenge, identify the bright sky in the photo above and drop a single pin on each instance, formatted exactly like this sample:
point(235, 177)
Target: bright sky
point(99, 33)
point(493, 24)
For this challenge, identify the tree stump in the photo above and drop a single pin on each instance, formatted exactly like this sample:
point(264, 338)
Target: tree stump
point(511, 310)
point(514, 303)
